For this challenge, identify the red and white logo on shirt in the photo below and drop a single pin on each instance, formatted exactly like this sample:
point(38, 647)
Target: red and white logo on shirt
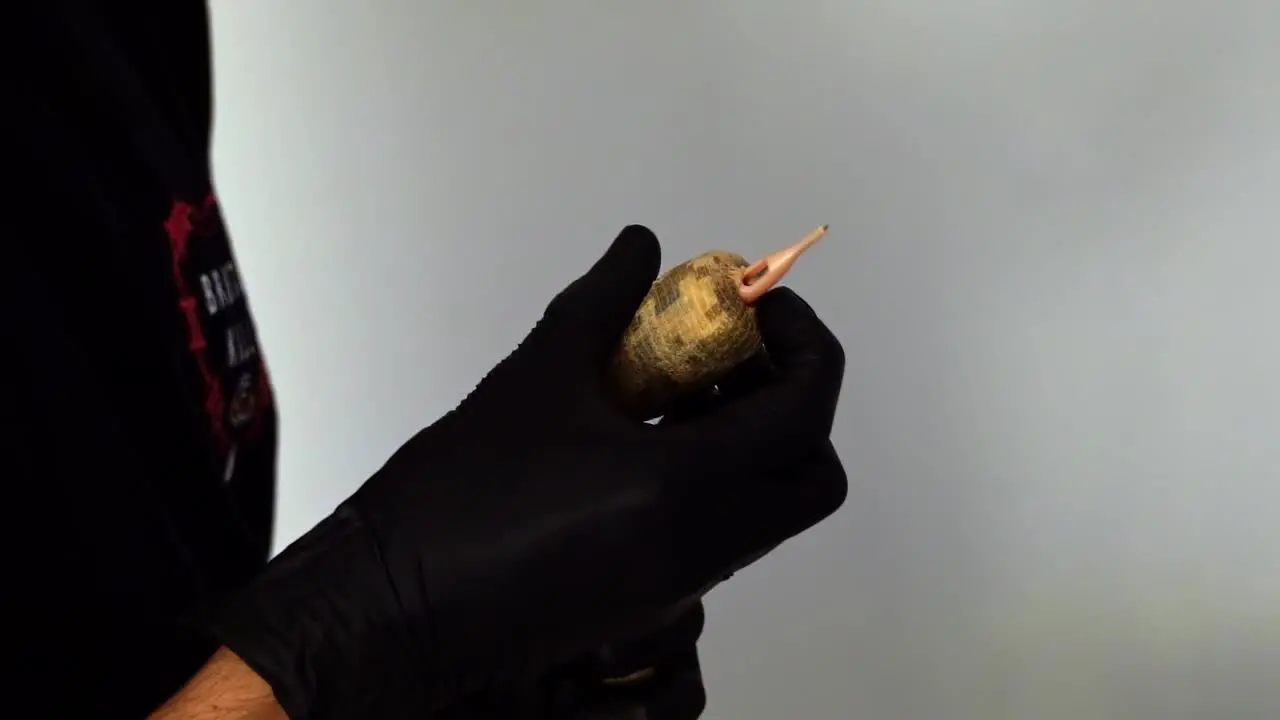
point(222, 340)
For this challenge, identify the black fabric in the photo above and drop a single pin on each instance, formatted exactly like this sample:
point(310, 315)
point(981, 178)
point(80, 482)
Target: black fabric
point(143, 461)
point(536, 522)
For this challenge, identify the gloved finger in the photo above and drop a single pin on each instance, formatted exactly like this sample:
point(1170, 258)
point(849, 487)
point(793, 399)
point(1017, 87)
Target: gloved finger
point(674, 692)
point(632, 657)
point(656, 677)
point(769, 423)
point(750, 375)
point(589, 316)
point(759, 511)
point(679, 692)
point(667, 683)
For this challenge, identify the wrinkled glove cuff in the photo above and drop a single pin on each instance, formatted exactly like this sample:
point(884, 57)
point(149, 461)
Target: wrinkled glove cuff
point(323, 627)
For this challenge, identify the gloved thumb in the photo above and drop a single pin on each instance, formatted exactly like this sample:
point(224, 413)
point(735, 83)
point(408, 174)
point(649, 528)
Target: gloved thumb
point(591, 314)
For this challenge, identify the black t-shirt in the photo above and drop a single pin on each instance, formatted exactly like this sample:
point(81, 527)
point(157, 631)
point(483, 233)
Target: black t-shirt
point(140, 426)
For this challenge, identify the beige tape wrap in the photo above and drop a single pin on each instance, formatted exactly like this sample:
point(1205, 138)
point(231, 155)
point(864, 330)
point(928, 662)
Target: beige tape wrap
point(690, 330)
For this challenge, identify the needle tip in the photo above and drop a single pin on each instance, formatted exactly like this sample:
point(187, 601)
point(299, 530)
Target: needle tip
point(825, 227)
point(766, 272)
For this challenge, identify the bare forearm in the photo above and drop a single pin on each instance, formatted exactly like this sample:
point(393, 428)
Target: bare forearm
point(224, 689)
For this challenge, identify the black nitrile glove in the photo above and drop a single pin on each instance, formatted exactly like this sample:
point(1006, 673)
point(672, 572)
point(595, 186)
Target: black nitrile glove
point(673, 691)
point(535, 523)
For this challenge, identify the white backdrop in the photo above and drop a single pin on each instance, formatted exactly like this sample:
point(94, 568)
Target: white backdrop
point(1053, 263)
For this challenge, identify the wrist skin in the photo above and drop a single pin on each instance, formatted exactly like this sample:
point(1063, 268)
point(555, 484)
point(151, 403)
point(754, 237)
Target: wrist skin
point(224, 689)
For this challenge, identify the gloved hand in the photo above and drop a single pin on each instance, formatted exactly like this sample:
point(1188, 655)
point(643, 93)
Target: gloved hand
point(674, 690)
point(535, 523)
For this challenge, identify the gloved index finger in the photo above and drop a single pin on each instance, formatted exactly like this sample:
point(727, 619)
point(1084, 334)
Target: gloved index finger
point(797, 407)
point(800, 344)
point(753, 373)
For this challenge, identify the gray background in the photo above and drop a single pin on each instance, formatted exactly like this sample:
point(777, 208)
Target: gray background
point(1053, 262)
